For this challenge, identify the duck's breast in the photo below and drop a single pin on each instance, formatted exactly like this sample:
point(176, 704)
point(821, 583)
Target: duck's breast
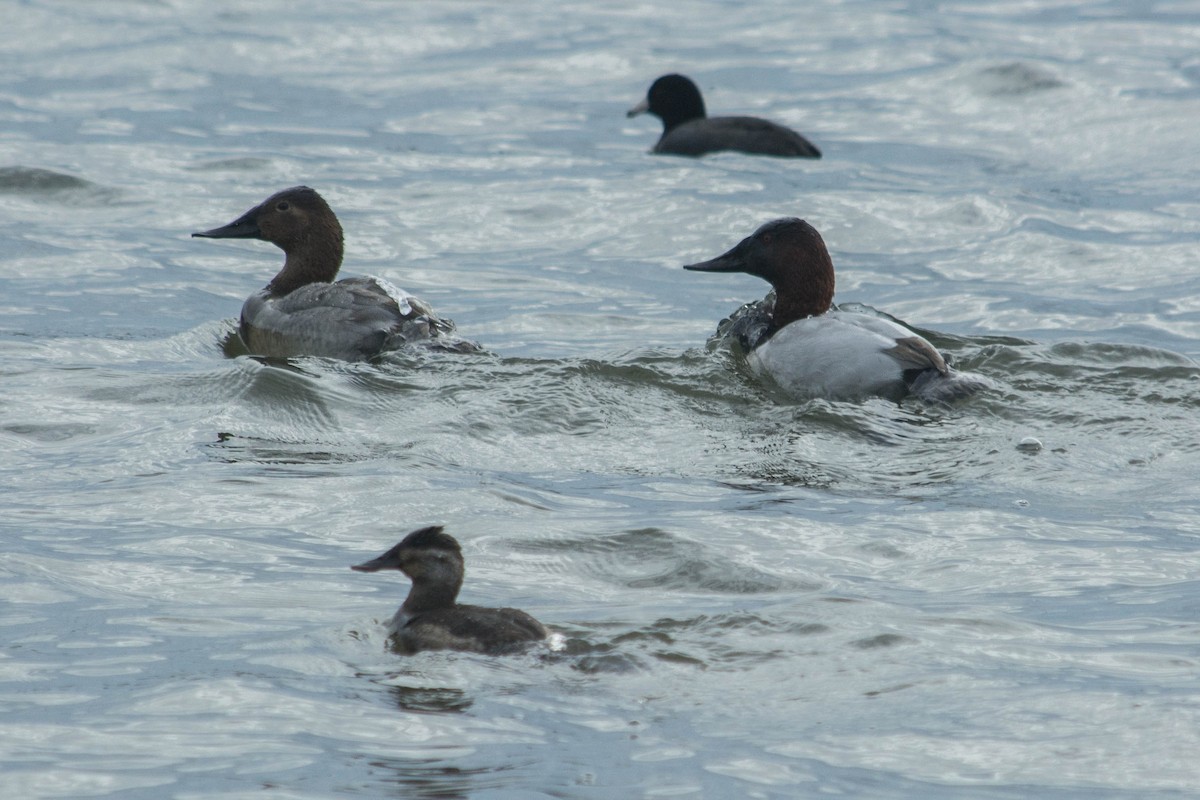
point(840, 356)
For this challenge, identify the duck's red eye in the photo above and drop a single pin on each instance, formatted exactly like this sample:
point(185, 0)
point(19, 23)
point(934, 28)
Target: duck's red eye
point(282, 205)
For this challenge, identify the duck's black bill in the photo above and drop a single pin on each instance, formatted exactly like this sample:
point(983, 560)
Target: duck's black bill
point(389, 560)
point(729, 262)
point(640, 108)
point(736, 259)
point(244, 228)
point(374, 565)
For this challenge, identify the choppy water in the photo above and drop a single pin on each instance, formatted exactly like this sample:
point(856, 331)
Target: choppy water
point(761, 599)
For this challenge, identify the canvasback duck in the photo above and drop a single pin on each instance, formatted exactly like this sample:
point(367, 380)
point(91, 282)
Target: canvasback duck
point(302, 312)
point(688, 131)
point(430, 619)
point(812, 351)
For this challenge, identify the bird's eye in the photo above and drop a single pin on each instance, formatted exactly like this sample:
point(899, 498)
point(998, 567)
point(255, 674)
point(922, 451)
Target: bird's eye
point(282, 205)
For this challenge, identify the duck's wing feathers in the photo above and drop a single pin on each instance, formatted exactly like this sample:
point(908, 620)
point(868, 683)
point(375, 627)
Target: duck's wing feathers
point(913, 352)
point(909, 349)
point(354, 319)
point(472, 628)
point(742, 134)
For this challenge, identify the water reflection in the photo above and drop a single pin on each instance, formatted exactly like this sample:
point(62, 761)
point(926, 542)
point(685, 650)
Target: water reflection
point(430, 700)
point(430, 778)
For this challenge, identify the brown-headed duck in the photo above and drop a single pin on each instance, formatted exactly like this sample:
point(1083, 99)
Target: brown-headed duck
point(303, 312)
point(810, 349)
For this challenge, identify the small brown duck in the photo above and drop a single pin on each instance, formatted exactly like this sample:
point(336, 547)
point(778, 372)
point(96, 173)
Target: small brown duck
point(689, 131)
point(303, 312)
point(430, 619)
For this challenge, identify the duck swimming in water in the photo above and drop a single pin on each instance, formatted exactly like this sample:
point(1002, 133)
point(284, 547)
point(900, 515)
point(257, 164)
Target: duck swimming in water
point(689, 131)
point(810, 350)
point(302, 312)
point(430, 619)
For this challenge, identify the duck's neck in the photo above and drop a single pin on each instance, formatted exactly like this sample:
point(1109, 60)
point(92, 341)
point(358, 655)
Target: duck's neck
point(431, 593)
point(677, 116)
point(315, 259)
point(797, 301)
point(678, 112)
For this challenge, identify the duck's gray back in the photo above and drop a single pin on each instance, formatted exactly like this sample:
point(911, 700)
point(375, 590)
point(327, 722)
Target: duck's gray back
point(353, 319)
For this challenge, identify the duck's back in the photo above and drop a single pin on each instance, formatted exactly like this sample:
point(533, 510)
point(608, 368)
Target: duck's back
point(353, 319)
point(473, 629)
point(742, 134)
point(844, 356)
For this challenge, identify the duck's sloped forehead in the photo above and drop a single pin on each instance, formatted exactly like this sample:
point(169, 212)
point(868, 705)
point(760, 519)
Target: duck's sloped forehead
point(296, 194)
point(780, 224)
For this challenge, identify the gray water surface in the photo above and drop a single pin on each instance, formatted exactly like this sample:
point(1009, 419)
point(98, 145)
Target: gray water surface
point(758, 598)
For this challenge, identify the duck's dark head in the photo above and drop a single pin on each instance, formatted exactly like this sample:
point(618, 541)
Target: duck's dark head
point(672, 98)
point(299, 222)
point(790, 255)
point(427, 555)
